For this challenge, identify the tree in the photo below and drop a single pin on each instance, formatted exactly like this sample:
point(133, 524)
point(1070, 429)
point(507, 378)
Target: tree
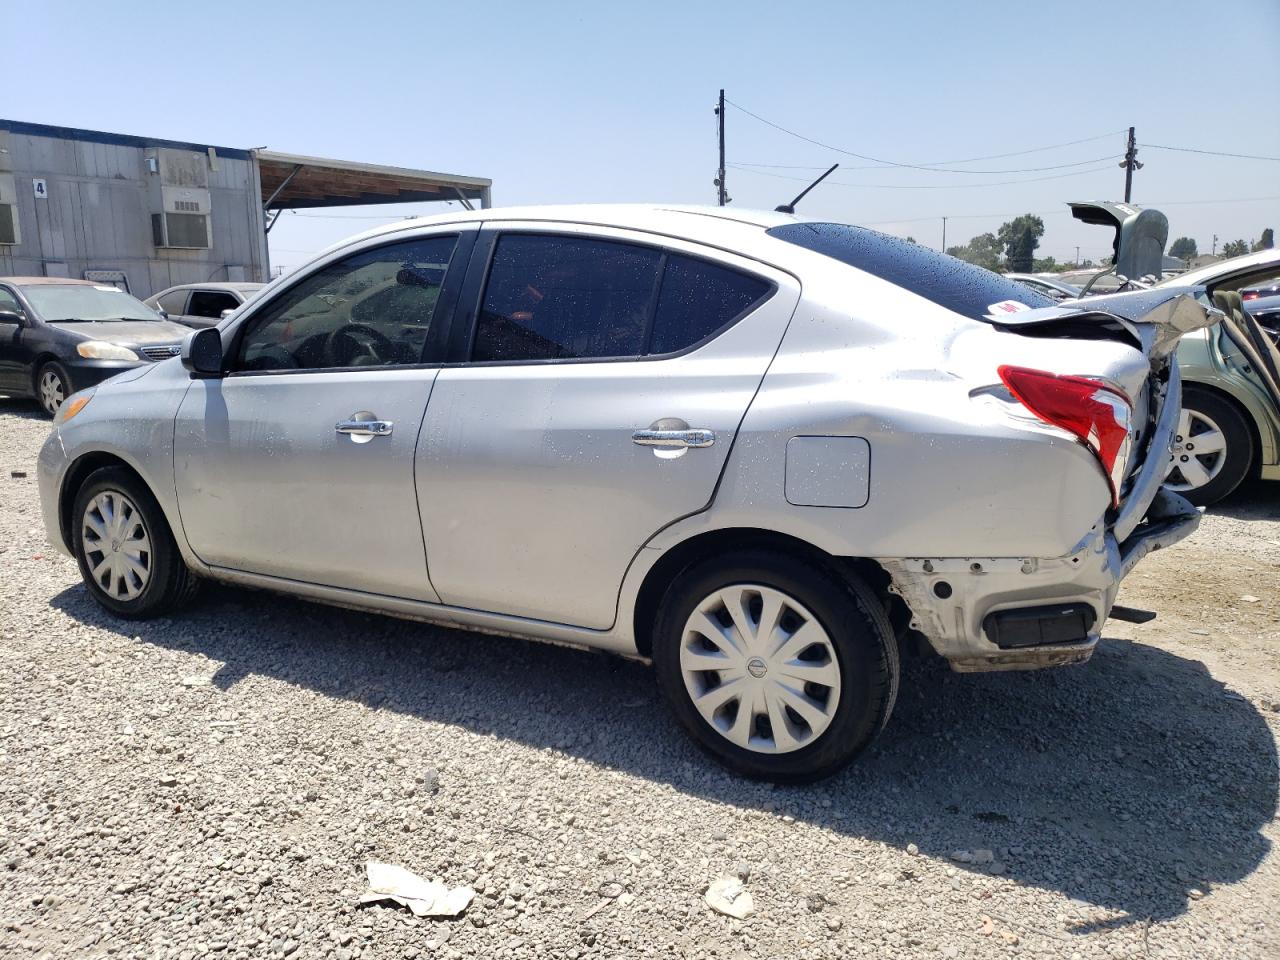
point(1267, 241)
point(912, 240)
point(1236, 248)
point(982, 250)
point(1020, 237)
point(1047, 265)
point(1184, 248)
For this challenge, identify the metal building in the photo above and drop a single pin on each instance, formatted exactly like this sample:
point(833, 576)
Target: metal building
point(146, 214)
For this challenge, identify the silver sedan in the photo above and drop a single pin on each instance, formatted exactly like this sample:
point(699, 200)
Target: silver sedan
point(762, 452)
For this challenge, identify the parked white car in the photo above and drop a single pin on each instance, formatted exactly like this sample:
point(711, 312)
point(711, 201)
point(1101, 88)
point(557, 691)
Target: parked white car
point(761, 451)
point(202, 304)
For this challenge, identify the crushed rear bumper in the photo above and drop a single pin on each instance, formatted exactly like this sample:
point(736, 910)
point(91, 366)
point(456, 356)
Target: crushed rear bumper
point(951, 599)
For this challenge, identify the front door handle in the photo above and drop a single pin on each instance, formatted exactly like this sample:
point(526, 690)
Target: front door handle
point(363, 427)
point(688, 437)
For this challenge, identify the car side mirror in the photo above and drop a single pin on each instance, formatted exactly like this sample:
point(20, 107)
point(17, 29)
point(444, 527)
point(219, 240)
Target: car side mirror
point(226, 313)
point(164, 314)
point(202, 352)
point(8, 316)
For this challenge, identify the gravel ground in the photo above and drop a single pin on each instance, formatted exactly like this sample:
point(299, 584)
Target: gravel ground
point(213, 784)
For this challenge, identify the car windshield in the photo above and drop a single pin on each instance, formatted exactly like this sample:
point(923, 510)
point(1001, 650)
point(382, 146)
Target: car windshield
point(76, 301)
point(968, 290)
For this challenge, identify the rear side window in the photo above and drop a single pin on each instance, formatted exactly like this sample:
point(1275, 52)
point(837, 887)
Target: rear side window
point(961, 287)
point(556, 298)
point(566, 298)
point(211, 303)
point(697, 299)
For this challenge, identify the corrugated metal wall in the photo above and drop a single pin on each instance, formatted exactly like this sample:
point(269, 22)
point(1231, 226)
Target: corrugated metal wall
point(98, 216)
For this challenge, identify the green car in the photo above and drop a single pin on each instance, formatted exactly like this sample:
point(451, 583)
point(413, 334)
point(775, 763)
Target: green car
point(1230, 427)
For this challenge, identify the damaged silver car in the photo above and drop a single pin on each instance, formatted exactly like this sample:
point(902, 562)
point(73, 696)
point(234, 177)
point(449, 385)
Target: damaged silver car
point(763, 452)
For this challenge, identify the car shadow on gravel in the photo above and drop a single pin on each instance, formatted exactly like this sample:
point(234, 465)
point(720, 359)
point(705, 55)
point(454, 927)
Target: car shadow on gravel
point(1252, 500)
point(23, 409)
point(1125, 784)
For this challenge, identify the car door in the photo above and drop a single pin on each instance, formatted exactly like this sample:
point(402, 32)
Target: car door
point(299, 462)
point(13, 372)
point(578, 350)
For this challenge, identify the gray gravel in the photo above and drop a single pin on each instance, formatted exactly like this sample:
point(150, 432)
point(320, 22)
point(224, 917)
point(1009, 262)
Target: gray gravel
point(1124, 808)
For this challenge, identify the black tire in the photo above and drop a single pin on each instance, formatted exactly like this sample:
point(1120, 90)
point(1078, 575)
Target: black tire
point(1239, 445)
point(170, 583)
point(854, 620)
point(56, 370)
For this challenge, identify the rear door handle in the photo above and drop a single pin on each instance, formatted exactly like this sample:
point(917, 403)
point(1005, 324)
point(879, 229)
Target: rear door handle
point(364, 428)
point(695, 437)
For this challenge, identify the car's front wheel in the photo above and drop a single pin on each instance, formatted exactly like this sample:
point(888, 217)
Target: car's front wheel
point(1212, 448)
point(781, 669)
point(126, 551)
point(52, 387)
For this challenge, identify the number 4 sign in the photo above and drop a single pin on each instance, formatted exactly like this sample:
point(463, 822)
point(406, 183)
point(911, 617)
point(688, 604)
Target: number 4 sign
point(41, 188)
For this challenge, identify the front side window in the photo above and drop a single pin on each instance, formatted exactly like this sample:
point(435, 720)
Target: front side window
point(175, 301)
point(566, 298)
point(9, 302)
point(211, 303)
point(371, 309)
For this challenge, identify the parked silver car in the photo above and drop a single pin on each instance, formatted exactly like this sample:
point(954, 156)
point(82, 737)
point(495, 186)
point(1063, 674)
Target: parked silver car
point(763, 452)
point(202, 304)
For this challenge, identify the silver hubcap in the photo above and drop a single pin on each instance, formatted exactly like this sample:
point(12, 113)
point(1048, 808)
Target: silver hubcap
point(52, 391)
point(760, 669)
point(116, 546)
point(1199, 451)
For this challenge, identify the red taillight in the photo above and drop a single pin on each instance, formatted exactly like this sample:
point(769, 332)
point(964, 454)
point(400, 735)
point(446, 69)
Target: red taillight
point(1250, 295)
point(1096, 414)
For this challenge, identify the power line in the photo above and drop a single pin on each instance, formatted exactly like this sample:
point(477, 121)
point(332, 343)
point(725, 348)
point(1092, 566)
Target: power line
point(1212, 153)
point(931, 168)
point(924, 186)
point(1058, 166)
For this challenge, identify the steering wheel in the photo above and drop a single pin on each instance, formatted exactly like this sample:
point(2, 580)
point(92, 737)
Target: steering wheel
point(342, 347)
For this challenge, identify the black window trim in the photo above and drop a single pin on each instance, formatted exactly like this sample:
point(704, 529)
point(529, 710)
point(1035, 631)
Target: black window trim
point(441, 321)
point(462, 339)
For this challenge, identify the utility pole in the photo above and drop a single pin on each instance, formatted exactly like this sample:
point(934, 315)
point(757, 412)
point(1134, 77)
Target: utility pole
point(1130, 163)
point(1077, 256)
point(944, 234)
point(1214, 252)
point(721, 195)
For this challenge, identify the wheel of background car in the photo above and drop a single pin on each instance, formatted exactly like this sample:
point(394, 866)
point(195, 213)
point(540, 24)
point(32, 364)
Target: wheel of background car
point(125, 549)
point(52, 387)
point(1212, 448)
point(779, 668)
point(380, 348)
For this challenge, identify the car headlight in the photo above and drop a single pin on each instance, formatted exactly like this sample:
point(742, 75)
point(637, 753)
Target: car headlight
point(72, 405)
point(101, 350)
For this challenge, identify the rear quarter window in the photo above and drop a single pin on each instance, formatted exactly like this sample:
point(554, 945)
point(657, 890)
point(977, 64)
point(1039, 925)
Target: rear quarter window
point(958, 286)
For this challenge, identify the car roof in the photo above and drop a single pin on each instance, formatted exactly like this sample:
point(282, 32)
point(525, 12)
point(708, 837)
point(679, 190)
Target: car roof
point(241, 285)
point(41, 281)
point(1222, 268)
point(673, 219)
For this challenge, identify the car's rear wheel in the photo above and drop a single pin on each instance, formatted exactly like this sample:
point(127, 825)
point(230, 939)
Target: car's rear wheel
point(1212, 448)
point(780, 668)
point(53, 386)
point(126, 551)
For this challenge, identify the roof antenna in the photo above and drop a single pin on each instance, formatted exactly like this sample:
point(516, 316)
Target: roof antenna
point(791, 207)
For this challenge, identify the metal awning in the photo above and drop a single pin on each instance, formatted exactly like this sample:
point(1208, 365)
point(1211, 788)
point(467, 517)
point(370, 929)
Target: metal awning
point(294, 181)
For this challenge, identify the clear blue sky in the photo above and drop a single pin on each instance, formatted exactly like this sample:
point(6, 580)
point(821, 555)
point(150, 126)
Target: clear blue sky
point(606, 101)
